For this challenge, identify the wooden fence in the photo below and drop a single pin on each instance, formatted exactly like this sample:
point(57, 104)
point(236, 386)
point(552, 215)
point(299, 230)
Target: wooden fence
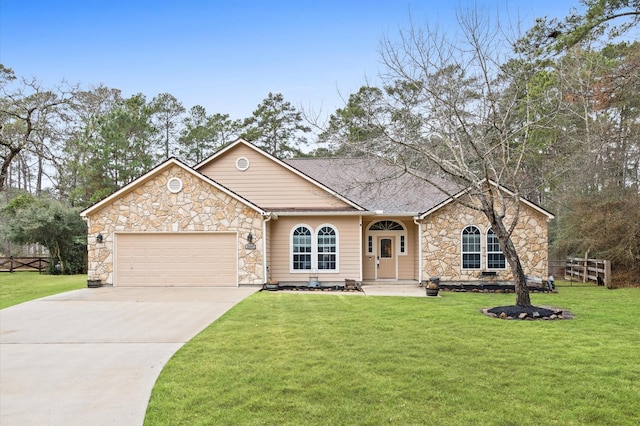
point(594, 270)
point(11, 264)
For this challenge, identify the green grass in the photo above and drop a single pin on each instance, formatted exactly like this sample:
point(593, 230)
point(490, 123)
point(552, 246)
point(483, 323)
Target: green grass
point(18, 287)
point(282, 358)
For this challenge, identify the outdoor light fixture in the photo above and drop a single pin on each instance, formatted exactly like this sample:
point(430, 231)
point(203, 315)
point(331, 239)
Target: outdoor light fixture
point(250, 237)
point(99, 238)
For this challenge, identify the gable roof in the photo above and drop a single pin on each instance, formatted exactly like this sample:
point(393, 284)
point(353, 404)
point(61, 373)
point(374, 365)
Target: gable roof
point(284, 164)
point(502, 188)
point(159, 169)
point(377, 185)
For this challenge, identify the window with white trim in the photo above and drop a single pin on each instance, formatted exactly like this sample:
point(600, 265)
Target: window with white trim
point(317, 251)
point(327, 248)
point(301, 247)
point(471, 248)
point(495, 257)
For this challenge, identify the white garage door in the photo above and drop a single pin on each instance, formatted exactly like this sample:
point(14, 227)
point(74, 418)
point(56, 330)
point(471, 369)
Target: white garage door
point(176, 259)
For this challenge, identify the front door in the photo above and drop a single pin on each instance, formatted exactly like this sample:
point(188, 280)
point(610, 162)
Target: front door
point(387, 266)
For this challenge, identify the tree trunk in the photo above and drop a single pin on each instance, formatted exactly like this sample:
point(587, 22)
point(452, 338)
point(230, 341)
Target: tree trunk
point(511, 256)
point(522, 291)
point(4, 169)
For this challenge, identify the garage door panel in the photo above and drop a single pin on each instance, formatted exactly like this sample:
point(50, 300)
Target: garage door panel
point(176, 259)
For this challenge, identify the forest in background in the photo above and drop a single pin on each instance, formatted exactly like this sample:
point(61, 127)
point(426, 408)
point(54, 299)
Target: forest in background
point(64, 148)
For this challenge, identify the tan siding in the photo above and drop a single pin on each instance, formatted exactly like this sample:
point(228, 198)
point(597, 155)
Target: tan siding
point(348, 247)
point(266, 183)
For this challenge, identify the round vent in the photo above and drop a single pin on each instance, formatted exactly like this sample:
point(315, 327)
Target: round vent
point(174, 185)
point(242, 163)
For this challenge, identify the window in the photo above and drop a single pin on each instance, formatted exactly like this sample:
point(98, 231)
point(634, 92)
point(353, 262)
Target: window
point(327, 248)
point(301, 246)
point(314, 251)
point(402, 244)
point(495, 257)
point(370, 244)
point(386, 250)
point(471, 248)
point(386, 225)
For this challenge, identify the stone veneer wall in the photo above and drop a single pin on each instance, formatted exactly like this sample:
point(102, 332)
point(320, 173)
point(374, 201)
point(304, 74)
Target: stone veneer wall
point(197, 207)
point(442, 235)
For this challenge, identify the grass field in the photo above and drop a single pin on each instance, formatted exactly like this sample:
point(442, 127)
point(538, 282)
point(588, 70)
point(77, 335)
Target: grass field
point(327, 359)
point(18, 287)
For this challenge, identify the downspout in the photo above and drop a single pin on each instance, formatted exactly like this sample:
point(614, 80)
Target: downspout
point(361, 252)
point(419, 249)
point(266, 218)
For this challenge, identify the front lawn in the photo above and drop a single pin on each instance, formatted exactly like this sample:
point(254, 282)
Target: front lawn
point(18, 287)
point(290, 358)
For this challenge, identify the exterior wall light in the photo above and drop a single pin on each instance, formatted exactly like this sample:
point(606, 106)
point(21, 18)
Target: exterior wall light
point(99, 238)
point(250, 237)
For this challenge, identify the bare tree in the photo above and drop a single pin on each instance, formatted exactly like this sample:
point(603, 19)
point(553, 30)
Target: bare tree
point(462, 103)
point(27, 116)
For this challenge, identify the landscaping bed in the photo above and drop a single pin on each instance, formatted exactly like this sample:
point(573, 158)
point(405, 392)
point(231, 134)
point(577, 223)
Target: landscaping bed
point(491, 287)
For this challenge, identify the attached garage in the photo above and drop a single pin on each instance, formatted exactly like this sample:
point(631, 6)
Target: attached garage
point(178, 259)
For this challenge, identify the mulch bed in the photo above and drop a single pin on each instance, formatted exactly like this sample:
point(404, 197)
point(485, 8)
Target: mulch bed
point(528, 313)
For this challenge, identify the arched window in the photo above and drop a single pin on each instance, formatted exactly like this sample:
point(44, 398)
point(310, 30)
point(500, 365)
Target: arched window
point(386, 225)
point(495, 257)
point(301, 246)
point(327, 248)
point(471, 248)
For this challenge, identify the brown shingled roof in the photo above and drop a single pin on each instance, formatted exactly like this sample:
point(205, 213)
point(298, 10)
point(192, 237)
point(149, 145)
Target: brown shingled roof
point(375, 184)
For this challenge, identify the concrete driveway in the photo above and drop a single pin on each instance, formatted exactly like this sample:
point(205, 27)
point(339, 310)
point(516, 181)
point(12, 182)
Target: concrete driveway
point(92, 356)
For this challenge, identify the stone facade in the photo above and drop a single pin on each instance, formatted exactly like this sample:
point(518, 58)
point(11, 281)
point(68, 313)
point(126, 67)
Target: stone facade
point(442, 235)
point(198, 207)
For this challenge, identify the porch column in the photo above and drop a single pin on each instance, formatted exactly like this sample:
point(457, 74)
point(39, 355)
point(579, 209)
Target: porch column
point(418, 222)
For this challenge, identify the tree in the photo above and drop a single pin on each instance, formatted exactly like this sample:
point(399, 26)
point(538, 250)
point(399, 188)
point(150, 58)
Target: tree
point(75, 169)
point(27, 116)
point(166, 113)
point(276, 126)
point(202, 134)
point(554, 35)
point(50, 223)
point(122, 149)
point(353, 122)
point(606, 226)
point(461, 104)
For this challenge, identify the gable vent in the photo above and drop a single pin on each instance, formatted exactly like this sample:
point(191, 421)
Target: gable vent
point(242, 163)
point(174, 185)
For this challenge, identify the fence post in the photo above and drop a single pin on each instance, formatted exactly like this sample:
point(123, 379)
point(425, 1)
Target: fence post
point(607, 273)
point(10, 263)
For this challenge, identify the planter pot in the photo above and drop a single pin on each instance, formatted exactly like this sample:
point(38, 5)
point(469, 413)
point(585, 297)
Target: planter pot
point(432, 291)
point(93, 283)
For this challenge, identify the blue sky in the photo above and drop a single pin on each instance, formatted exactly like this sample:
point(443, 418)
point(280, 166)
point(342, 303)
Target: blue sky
point(224, 55)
